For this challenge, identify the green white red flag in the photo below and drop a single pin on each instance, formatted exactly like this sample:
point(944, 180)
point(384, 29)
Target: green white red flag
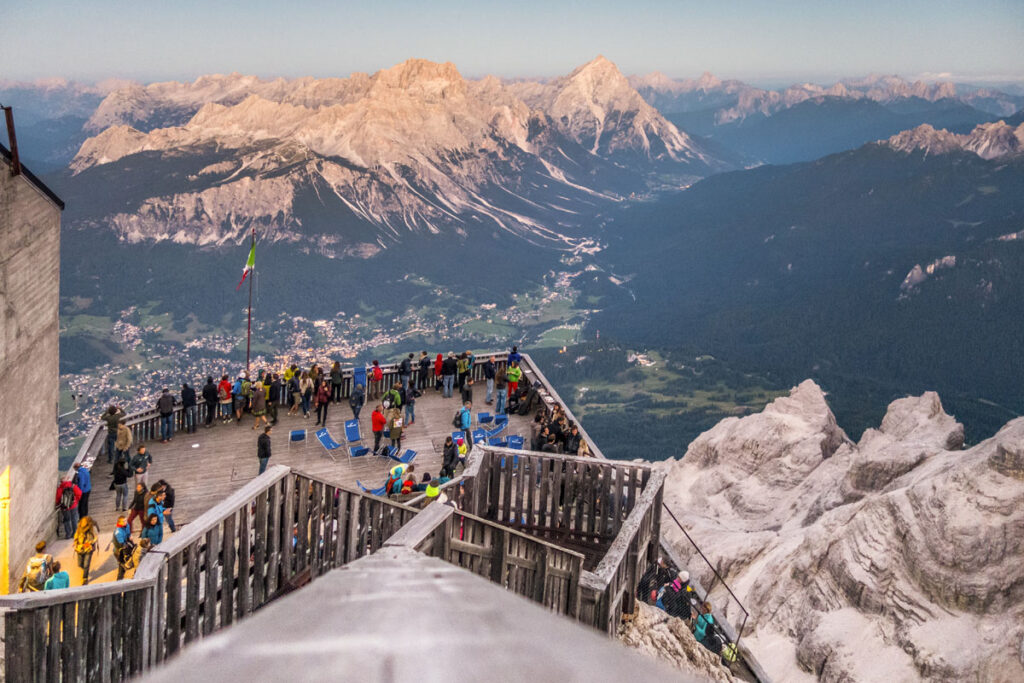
point(249, 265)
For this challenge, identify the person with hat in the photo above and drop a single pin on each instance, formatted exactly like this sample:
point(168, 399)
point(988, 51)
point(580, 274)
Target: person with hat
point(674, 597)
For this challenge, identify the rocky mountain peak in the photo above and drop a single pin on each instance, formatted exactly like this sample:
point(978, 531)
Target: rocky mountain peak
point(925, 138)
point(424, 77)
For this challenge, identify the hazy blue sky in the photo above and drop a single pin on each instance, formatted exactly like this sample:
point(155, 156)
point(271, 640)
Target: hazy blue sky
point(757, 40)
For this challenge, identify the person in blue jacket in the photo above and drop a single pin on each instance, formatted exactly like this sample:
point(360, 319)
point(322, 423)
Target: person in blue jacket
point(701, 624)
point(83, 478)
point(466, 421)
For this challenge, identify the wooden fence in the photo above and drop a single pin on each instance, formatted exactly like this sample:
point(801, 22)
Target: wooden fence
point(279, 531)
point(520, 563)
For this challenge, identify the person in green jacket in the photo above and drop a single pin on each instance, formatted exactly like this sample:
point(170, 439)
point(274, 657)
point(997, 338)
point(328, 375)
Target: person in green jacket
point(512, 376)
point(393, 397)
point(60, 579)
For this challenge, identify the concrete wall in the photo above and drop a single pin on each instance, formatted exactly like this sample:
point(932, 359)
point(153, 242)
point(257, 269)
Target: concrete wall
point(29, 298)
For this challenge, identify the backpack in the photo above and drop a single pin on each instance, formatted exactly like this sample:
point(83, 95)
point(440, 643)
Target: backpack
point(378, 374)
point(125, 552)
point(386, 401)
point(67, 498)
point(729, 654)
point(83, 546)
point(222, 394)
point(457, 420)
point(37, 573)
point(391, 483)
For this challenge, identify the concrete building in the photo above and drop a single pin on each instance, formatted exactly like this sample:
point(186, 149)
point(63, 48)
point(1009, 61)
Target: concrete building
point(29, 296)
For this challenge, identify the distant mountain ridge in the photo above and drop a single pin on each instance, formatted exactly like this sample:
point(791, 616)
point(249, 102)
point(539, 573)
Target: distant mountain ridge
point(413, 148)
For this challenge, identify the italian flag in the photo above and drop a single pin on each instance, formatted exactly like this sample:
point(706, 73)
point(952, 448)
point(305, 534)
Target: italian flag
point(249, 265)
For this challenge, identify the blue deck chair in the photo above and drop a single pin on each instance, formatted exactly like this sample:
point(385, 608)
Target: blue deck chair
point(352, 431)
point(492, 433)
point(500, 419)
point(458, 435)
point(479, 436)
point(405, 458)
point(357, 451)
point(516, 442)
point(484, 418)
point(328, 442)
point(297, 435)
point(497, 441)
point(359, 377)
point(373, 492)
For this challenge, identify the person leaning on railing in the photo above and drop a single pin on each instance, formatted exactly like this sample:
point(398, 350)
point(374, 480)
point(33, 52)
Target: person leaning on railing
point(111, 417)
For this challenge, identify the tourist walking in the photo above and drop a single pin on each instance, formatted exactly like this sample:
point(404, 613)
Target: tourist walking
point(501, 389)
point(153, 530)
point(306, 389)
point(165, 406)
point(130, 557)
point(37, 570)
point(168, 504)
point(140, 464)
point(210, 399)
point(138, 507)
point(466, 422)
point(68, 495)
point(356, 400)
point(395, 425)
point(189, 408)
point(112, 417)
point(263, 449)
point(84, 544)
point(295, 393)
point(259, 405)
point(323, 400)
point(122, 472)
point(58, 579)
point(410, 405)
point(377, 424)
point(83, 479)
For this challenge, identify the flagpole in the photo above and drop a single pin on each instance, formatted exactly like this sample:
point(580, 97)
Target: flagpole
point(248, 331)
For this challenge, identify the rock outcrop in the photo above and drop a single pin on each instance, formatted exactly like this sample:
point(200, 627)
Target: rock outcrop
point(655, 633)
point(899, 557)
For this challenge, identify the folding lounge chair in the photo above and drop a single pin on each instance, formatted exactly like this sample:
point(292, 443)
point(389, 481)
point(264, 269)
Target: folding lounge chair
point(328, 442)
point(359, 377)
point(479, 436)
point(484, 418)
point(405, 458)
point(297, 435)
point(516, 442)
point(353, 437)
point(497, 441)
point(492, 433)
point(500, 419)
point(372, 492)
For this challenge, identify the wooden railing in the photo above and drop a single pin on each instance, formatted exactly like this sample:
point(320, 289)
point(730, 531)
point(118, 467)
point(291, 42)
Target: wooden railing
point(610, 590)
point(520, 563)
point(277, 532)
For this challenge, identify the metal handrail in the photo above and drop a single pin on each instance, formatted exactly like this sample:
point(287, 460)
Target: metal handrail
point(718, 577)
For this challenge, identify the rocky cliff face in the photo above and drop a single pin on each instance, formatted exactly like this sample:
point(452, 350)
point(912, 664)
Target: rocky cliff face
point(895, 558)
point(655, 633)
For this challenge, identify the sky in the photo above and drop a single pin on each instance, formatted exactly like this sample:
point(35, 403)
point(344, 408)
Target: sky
point(762, 41)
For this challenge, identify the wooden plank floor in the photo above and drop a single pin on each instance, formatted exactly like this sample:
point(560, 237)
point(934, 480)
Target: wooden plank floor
point(206, 467)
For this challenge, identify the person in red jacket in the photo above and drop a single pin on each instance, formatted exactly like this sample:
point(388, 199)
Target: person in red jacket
point(68, 496)
point(377, 423)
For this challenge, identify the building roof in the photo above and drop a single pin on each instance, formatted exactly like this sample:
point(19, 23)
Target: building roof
point(31, 177)
point(398, 615)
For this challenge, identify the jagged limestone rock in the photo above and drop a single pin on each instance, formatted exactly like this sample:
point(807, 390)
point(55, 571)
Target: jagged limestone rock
point(655, 633)
point(897, 558)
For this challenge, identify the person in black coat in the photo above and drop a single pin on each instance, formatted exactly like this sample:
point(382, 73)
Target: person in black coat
point(263, 448)
point(450, 457)
point(210, 397)
point(168, 504)
point(426, 371)
point(274, 398)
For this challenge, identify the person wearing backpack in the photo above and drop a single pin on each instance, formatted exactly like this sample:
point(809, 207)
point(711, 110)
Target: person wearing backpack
point(701, 624)
point(83, 479)
point(356, 400)
point(405, 370)
point(395, 428)
point(85, 544)
point(462, 367)
point(392, 399)
point(68, 496)
point(59, 579)
point(410, 405)
point(224, 399)
point(111, 417)
point(377, 424)
point(128, 562)
point(37, 570)
point(376, 376)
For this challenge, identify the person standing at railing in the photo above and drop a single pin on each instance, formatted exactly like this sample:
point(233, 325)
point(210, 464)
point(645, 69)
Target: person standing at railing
point(165, 406)
point(336, 380)
point(425, 374)
point(438, 373)
point(405, 370)
point(210, 398)
point(449, 367)
point(259, 405)
point(462, 365)
point(514, 356)
point(122, 445)
point(501, 386)
point(189, 408)
point(263, 449)
point(112, 416)
point(224, 399)
point(376, 376)
point(490, 369)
